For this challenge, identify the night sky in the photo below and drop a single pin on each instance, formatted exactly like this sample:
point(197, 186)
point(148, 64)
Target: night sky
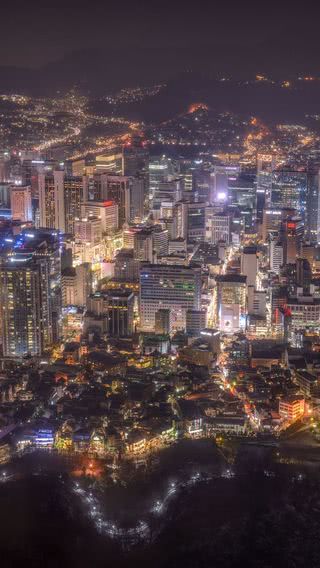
point(35, 33)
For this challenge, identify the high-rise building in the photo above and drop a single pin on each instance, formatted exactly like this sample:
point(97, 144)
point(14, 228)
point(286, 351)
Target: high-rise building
point(289, 238)
point(51, 201)
point(21, 205)
point(112, 312)
point(73, 191)
point(88, 230)
point(118, 189)
point(143, 249)
point(106, 211)
point(196, 321)
point(160, 168)
point(275, 255)
point(256, 300)
point(271, 221)
point(137, 199)
point(249, 264)
point(160, 241)
point(119, 313)
point(135, 164)
point(60, 199)
point(231, 303)
point(265, 165)
point(127, 268)
point(189, 220)
point(303, 274)
point(312, 221)
point(169, 190)
point(176, 288)
point(289, 189)
point(163, 322)
point(26, 311)
point(218, 228)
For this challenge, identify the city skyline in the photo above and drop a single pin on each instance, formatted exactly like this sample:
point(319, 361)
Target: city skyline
point(159, 285)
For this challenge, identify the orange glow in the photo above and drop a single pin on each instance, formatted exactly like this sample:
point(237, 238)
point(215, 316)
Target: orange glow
point(197, 106)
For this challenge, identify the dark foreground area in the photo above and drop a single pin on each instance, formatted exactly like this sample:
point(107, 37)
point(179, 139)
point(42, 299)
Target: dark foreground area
point(256, 519)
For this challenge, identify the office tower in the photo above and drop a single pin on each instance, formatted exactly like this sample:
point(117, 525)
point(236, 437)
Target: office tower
point(88, 230)
point(189, 220)
point(256, 302)
point(169, 190)
point(76, 284)
point(51, 201)
point(275, 255)
point(21, 206)
point(218, 228)
point(150, 243)
point(289, 189)
point(137, 199)
point(127, 268)
point(135, 164)
point(160, 241)
point(163, 322)
point(106, 211)
point(220, 188)
point(73, 191)
point(119, 312)
point(290, 240)
point(230, 309)
point(143, 249)
point(83, 283)
point(196, 321)
point(60, 199)
point(203, 184)
point(176, 288)
point(265, 166)
point(303, 274)
point(26, 312)
point(308, 251)
point(278, 301)
point(45, 247)
point(312, 221)
point(118, 190)
point(68, 287)
point(128, 236)
point(112, 312)
point(180, 220)
point(160, 169)
point(196, 222)
point(249, 264)
point(271, 223)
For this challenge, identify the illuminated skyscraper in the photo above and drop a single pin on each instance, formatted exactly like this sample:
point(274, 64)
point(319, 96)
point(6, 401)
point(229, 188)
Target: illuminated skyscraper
point(312, 224)
point(21, 206)
point(51, 201)
point(289, 189)
point(176, 288)
point(231, 303)
point(73, 192)
point(25, 299)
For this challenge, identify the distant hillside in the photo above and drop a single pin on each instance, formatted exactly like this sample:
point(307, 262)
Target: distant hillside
point(100, 70)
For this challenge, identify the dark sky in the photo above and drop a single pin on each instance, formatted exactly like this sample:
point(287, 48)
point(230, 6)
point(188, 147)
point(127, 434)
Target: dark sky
point(34, 33)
